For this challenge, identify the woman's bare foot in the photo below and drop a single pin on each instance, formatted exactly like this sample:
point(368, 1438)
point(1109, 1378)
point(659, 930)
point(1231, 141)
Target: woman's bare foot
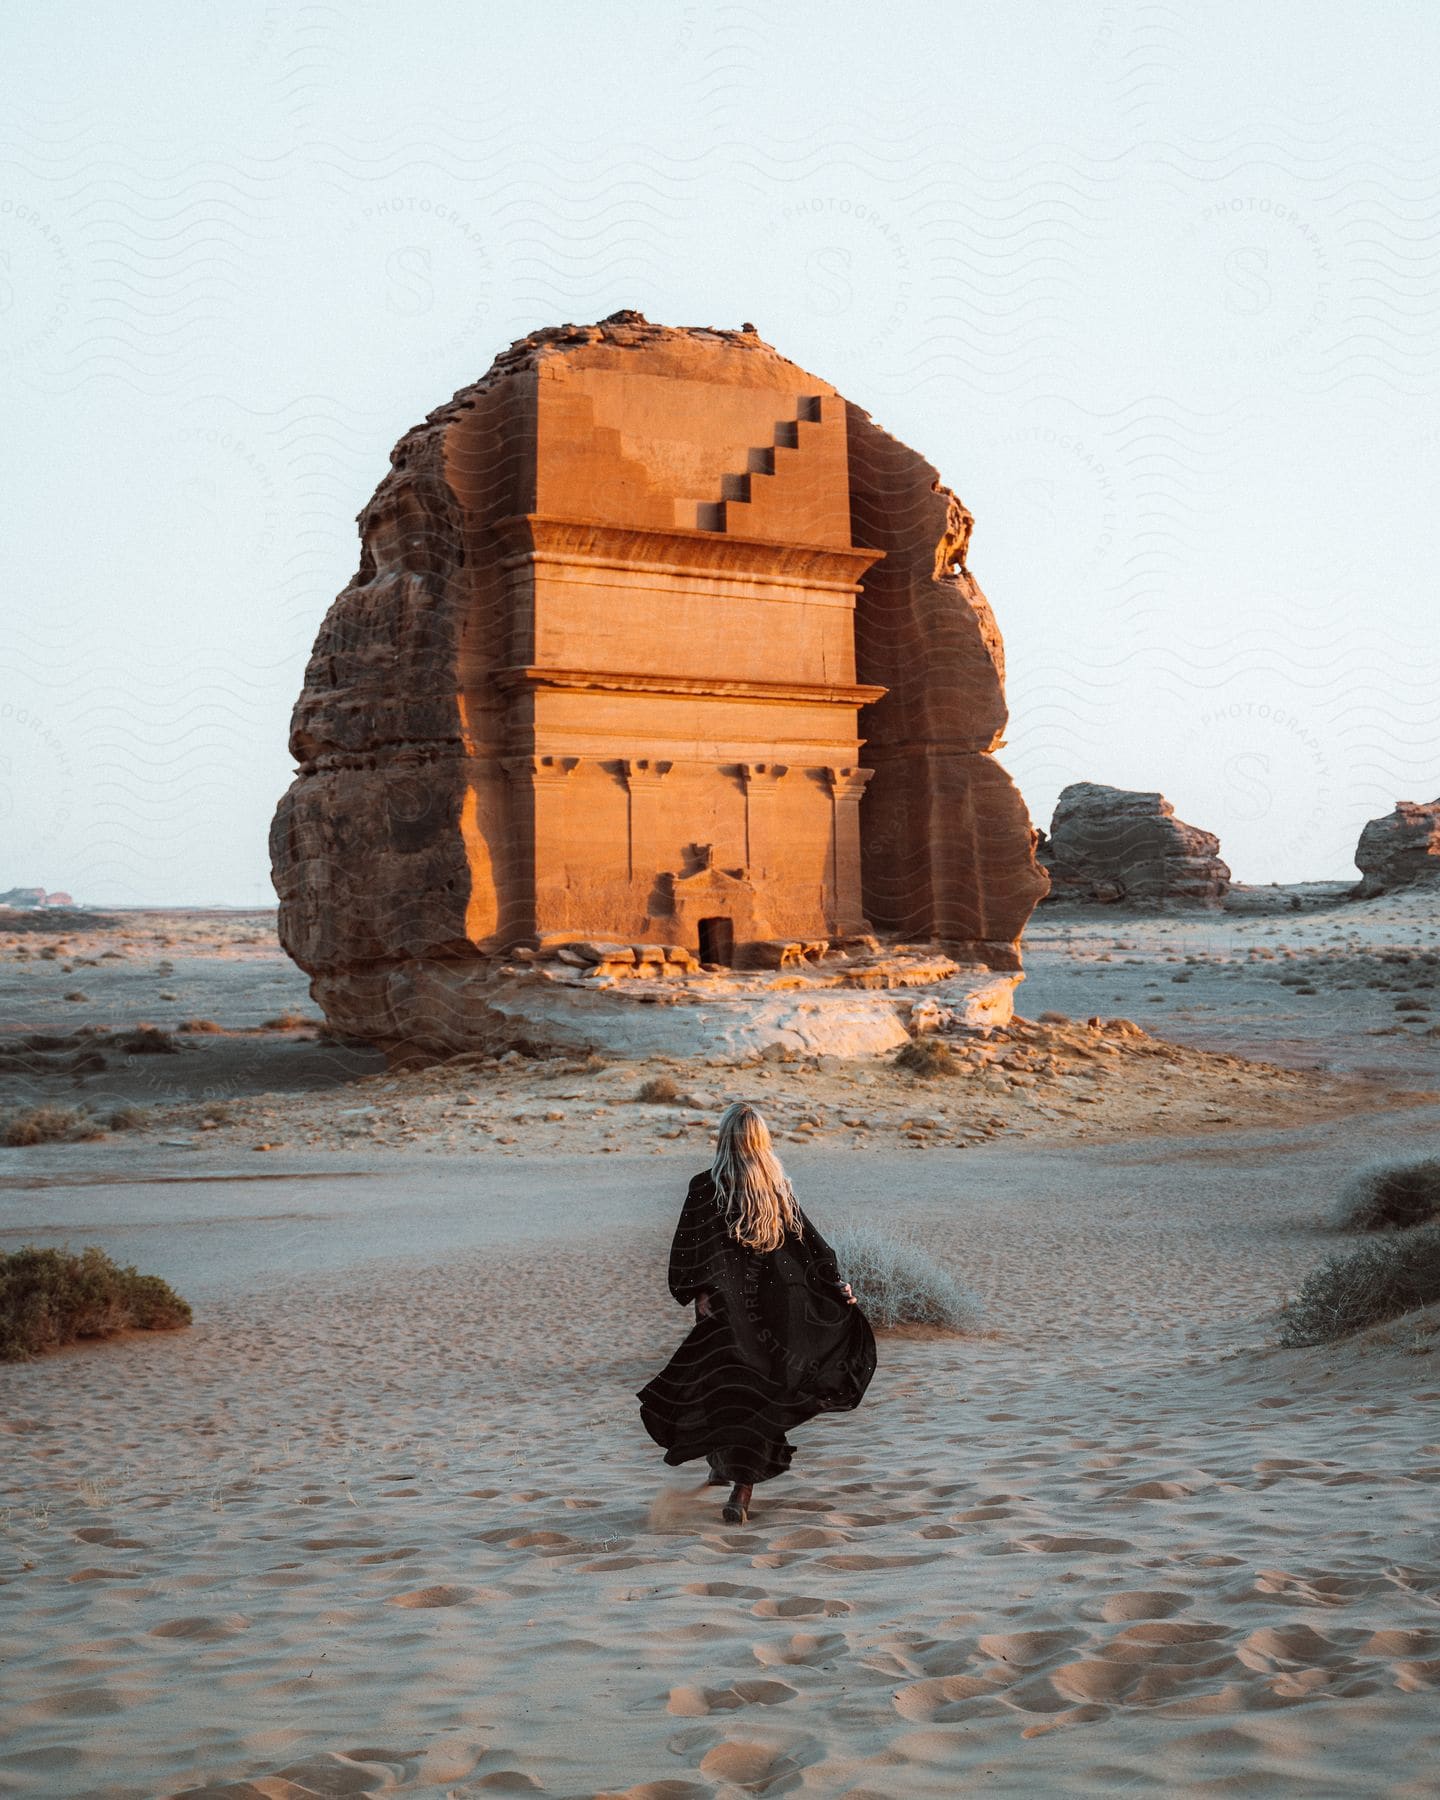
point(736, 1509)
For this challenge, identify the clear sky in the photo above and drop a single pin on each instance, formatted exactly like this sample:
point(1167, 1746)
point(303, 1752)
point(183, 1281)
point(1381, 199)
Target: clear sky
point(1156, 286)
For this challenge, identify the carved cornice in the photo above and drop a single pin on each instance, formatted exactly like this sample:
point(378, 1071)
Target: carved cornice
point(761, 775)
point(846, 784)
point(641, 771)
point(616, 681)
point(538, 769)
point(538, 538)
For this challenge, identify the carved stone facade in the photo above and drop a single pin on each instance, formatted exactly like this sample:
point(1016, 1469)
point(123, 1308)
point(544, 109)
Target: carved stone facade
point(627, 612)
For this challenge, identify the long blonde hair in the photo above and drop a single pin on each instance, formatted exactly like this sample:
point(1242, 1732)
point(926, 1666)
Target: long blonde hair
point(750, 1182)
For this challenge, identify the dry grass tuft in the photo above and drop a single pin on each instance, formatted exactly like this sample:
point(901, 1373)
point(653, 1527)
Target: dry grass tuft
point(897, 1283)
point(49, 1298)
point(47, 1125)
point(659, 1090)
point(199, 1025)
point(128, 1118)
point(926, 1057)
point(1390, 1197)
point(1380, 1280)
point(146, 1040)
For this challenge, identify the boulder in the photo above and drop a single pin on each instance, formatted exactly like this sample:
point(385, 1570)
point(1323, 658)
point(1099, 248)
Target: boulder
point(1117, 845)
point(1400, 849)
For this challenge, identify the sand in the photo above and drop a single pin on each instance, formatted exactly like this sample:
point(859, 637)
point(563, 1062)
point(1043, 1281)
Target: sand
point(384, 1518)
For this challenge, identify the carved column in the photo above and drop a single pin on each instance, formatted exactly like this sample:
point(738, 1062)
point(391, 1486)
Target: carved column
point(642, 787)
point(760, 782)
point(539, 788)
point(846, 907)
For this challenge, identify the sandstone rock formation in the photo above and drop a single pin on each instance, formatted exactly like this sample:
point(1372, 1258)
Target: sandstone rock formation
point(26, 898)
point(1115, 844)
point(627, 610)
point(1400, 849)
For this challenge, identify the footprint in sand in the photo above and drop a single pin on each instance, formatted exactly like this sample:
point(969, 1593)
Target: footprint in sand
point(203, 1629)
point(758, 1767)
point(799, 1606)
point(1416, 1677)
point(807, 1649)
point(722, 1590)
point(698, 1702)
point(1027, 1649)
point(1412, 1641)
point(112, 1540)
point(1273, 1646)
point(946, 1699)
point(661, 1790)
point(1137, 1603)
point(431, 1596)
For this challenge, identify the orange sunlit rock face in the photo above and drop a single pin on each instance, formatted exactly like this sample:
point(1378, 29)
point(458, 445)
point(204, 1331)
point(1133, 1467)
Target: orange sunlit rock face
point(654, 639)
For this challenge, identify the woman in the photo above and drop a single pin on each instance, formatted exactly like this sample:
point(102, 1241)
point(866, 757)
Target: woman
point(778, 1336)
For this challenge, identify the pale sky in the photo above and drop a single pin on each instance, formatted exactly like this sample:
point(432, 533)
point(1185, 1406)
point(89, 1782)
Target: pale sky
point(1156, 286)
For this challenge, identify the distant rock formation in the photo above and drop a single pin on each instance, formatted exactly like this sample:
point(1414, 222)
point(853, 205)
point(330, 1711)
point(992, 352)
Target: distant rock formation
point(1116, 845)
point(26, 899)
point(1400, 849)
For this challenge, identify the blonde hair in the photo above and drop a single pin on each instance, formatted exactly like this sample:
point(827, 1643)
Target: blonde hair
point(750, 1182)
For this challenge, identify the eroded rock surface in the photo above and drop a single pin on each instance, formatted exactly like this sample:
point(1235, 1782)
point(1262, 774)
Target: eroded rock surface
point(1400, 849)
point(1120, 845)
point(631, 613)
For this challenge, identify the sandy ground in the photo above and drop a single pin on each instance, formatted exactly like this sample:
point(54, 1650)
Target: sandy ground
point(385, 1519)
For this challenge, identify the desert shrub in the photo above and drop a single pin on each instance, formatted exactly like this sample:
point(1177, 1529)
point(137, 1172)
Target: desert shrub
point(659, 1090)
point(146, 1040)
point(49, 1298)
point(1377, 1281)
point(926, 1056)
point(1388, 1196)
point(201, 1025)
point(289, 1021)
point(898, 1283)
point(46, 1125)
point(128, 1118)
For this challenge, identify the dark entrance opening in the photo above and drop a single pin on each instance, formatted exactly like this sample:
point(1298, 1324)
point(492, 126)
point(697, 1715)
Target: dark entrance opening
point(717, 940)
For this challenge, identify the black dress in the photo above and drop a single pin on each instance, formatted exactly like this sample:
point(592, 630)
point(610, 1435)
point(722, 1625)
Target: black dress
point(781, 1343)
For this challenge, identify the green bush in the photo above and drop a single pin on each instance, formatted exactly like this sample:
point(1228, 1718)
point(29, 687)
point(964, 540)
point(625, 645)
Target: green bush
point(1377, 1281)
point(49, 1298)
point(898, 1283)
point(47, 1125)
point(926, 1056)
point(1390, 1197)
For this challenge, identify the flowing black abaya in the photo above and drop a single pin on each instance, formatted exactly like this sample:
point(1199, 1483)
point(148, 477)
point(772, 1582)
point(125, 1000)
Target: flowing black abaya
point(781, 1343)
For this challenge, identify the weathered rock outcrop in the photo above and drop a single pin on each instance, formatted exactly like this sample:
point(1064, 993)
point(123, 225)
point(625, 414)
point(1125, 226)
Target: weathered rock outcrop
point(1117, 845)
point(627, 610)
point(1400, 849)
